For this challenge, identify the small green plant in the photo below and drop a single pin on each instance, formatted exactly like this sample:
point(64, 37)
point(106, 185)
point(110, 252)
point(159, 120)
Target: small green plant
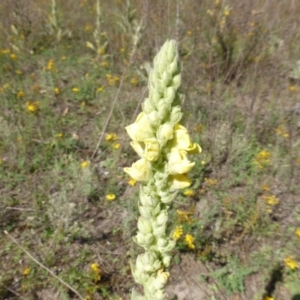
point(231, 277)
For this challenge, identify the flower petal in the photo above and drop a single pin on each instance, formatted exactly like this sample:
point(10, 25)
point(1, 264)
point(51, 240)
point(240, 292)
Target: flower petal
point(141, 129)
point(139, 170)
point(178, 162)
point(179, 181)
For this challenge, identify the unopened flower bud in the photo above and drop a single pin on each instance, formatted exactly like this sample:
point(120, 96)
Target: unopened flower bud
point(144, 225)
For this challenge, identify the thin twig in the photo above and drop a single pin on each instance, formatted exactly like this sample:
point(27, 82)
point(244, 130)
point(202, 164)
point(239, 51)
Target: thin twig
point(43, 267)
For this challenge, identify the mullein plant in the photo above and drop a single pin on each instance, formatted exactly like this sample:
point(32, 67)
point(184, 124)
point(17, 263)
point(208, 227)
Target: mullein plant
point(163, 145)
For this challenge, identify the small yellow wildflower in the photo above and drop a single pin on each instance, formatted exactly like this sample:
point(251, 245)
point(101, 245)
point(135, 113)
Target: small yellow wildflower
point(88, 27)
point(184, 216)
point(13, 56)
point(226, 11)
point(292, 88)
point(177, 233)
point(59, 135)
point(265, 187)
point(111, 137)
point(84, 164)
point(20, 94)
point(262, 159)
point(33, 107)
point(298, 232)
point(26, 271)
point(122, 49)
point(75, 90)
point(101, 51)
point(199, 128)
point(18, 72)
point(5, 51)
point(134, 81)
point(297, 160)
point(189, 193)
point(56, 91)
point(282, 131)
point(291, 263)
point(116, 146)
point(189, 32)
point(97, 271)
point(63, 57)
point(210, 181)
point(268, 298)
point(132, 182)
point(271, 200)
point(100, 89)
point(104, 64)
point(50, 65)
point(189, 240)
point(210, 12)
point(110, 197)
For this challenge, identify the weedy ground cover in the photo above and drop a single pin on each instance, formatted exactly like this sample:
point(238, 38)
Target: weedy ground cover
point(72, 76)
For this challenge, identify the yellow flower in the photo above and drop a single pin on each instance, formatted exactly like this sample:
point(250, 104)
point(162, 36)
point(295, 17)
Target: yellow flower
point(268, 298)
point(60, 135)
point(178, 162)
point(18, 72)
point(50, 65)
point(33, 107)
point(189, 240)
point(179, 181)
point(226, 11)
point(291, 263)
point(271, 200)
point(56, 91)
point(20, 94)
point(26, 271)
point(84, 164)
point(134, 81)
point(140, 129)
point(63, 57)
point(111, 137)
point(292, 88)
point(184, 216)
point(148, 149)
point(104, 64)
point(88, 27)
point(189, 32)
point(100, 89)
point(265, 187)
point(139, 170)
point(189, 193)
point(132, 182)
point(101, 51)
point(75, 90)
point(177, 233)
point(298, 232)
point(5, 51)
point(117, 146)
point(13, 56)
point(96, 269)
point(262, 159)
point(211, 182)
point(110, 197)
point(181, 140)
point(282, 131)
